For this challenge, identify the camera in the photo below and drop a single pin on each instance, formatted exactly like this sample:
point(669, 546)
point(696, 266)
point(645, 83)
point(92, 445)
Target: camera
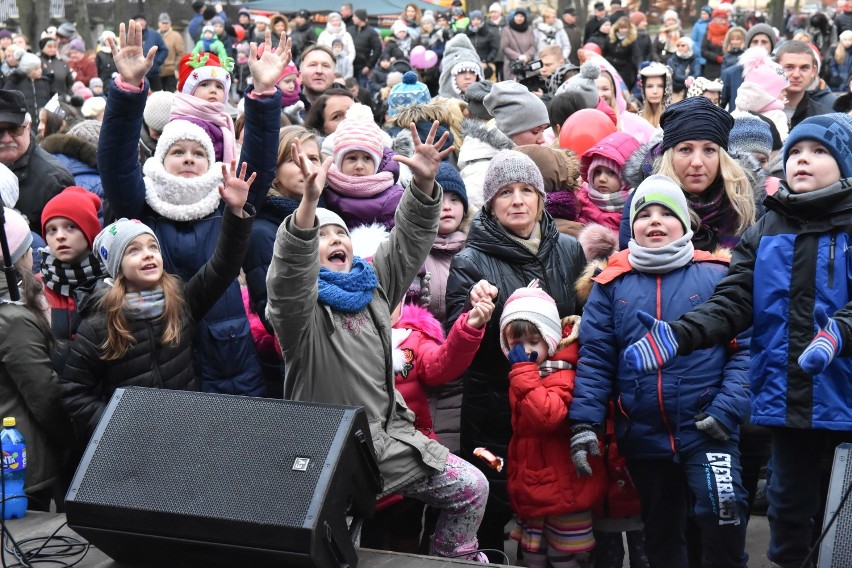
point(529, 74)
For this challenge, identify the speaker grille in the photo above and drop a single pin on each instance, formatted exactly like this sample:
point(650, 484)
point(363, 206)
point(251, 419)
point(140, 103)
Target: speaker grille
point(836, 549)
point(253, 477)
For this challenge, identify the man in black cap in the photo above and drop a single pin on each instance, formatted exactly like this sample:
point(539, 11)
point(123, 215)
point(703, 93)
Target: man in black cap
point(594, 21)
point(303, 33)
point(40, 175)
point(575, 36)
point(368, 46)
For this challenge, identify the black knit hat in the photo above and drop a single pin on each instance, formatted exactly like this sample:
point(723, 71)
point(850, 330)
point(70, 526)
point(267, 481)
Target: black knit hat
point(695, 118)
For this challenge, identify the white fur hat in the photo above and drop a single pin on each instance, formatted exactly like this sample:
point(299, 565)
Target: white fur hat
point(177, 130)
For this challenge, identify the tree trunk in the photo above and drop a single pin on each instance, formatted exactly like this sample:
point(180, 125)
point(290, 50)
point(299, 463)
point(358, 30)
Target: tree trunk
point(34, 16)
point(776, 8)
point(80, 16)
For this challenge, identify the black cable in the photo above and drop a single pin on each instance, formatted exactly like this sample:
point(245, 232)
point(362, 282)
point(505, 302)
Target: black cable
point(815, 547)
point(53, 549)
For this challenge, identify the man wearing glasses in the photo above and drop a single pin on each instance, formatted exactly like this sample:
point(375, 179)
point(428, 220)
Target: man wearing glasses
point(40, 175)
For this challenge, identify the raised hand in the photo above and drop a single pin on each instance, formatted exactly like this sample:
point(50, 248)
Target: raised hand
point(130, 59)
point(314, 175)
point(235, 187)
point(426, 158)
point(655, 349)
point(481, 313)
point(584, 441)
point(267, 67)
point(825, 345)
point(482, 290)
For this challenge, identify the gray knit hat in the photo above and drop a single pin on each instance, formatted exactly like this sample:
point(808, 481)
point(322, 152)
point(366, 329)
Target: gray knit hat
point(328, 217)
point(510, 166)
point(584, 84)
point(475, 97)
point(28, 63)
point(764, 29)
point(110, 243)
point(660, 190)
point(87, 130)
point(514, 108)
point(750, 134)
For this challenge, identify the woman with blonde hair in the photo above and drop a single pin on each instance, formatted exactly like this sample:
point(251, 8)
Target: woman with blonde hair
point(840, 63)
point(656, 91)
point(724, 196)
point(412, 15)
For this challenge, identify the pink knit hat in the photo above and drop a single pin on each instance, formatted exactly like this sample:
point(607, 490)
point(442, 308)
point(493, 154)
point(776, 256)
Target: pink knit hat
point(358, 131)
point(759, 68)
point(534, 305)
point(17, 234)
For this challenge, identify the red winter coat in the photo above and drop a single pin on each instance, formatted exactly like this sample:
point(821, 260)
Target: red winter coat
point(591, 213)
point(621, 498)
point(541, 477)
point(424, 358)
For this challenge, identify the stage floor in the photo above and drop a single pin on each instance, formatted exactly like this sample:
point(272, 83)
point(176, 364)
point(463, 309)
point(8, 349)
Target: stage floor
point(36, 525)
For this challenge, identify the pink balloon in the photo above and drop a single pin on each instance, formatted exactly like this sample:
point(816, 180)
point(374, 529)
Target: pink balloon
point(417, 51)
point(430, 59)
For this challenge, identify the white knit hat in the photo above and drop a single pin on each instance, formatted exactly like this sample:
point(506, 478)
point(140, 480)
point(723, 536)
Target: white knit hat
point(177, 130)
point(534, 305)
point(158, 107)
point(329, 217)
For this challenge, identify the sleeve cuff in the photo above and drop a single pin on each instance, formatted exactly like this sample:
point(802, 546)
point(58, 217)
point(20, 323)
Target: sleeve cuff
point(124, 86)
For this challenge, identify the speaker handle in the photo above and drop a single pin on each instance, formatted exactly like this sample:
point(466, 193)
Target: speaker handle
point(365, 445)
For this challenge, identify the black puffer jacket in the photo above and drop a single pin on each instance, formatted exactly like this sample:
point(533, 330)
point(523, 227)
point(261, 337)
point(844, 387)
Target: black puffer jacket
point(492, 255)
point(88, 381)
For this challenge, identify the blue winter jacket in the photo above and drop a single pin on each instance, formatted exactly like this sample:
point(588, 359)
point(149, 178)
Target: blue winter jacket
point(224, 352)
point(151, 38)
point(795, 258)
point(655, 412)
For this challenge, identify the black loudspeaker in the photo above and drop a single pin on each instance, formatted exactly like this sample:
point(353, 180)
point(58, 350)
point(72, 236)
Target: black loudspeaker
point(836, 549)
point(173, 478)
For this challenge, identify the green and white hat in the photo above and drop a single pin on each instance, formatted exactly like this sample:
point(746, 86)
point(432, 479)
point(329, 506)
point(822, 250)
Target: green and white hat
point(660, 190)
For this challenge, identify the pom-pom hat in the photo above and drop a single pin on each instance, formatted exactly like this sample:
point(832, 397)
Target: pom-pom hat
point(196, 68)
point(78, 205)
point(18, 235)
point(584, 84)
point(408, 93)
point(534, 305)
point(358, 131)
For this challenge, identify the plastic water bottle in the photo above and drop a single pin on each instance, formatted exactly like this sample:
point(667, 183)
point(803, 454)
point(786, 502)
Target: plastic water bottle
point(14, 469)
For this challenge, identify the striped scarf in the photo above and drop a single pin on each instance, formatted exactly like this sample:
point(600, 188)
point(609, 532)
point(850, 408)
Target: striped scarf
point(63, 278)
point(549, 367)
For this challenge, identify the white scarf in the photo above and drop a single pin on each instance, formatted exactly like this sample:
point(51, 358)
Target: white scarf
point(178, 198)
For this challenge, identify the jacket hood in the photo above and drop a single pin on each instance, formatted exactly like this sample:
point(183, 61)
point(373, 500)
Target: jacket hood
point(458, 50)
point(71, 146)
point(490, 141)
point(420, 319)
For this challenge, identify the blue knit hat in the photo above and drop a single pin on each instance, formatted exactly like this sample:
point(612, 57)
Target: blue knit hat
point(834, 131)
point(750, 134)
point(452, 182)
point(408, 93)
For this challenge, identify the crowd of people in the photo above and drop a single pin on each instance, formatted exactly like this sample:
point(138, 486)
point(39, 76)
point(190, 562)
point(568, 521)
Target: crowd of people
point(530, 250)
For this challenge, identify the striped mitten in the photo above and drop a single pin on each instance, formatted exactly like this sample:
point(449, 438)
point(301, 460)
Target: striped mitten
point(825, 345)
point(655, 349)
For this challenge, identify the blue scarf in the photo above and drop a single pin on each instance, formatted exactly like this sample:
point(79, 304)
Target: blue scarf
point(348, 292)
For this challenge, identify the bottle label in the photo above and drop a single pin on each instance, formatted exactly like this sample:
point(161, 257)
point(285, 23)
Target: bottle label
point(14, 457)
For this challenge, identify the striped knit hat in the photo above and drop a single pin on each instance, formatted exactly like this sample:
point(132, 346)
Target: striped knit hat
point(534, 305)
point(358, 131)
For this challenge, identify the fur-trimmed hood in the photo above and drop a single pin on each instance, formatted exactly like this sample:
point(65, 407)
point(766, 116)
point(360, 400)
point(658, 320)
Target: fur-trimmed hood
point(490, 141)
point(420, 319)
point(72, 146)
point(584, 283)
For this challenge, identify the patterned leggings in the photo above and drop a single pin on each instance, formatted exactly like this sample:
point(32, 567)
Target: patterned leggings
point(460, 493)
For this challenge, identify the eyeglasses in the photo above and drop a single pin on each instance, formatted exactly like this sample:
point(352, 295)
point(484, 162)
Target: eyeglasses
point(14, 130)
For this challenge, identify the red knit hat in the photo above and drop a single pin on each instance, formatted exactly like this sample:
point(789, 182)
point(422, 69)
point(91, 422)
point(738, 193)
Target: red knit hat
point(77, 204)
point(195, 68)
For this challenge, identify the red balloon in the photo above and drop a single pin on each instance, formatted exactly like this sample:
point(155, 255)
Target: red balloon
point(584, 129)
point(239, 32)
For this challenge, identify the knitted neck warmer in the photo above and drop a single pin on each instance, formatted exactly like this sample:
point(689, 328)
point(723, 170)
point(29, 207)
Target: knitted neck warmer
point(532, 243)
point(562, 205)
point(663, 259)
point(147, 304)
point(63, 278)
point(609, 202)
point(181, 199)
point(519, 27)
point(358, 186)
point(348, 292)
point(547, 368)
point(188, 106)
point(289, 99)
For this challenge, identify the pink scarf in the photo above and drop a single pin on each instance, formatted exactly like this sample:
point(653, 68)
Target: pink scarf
point(358, 186)
point(188, 106)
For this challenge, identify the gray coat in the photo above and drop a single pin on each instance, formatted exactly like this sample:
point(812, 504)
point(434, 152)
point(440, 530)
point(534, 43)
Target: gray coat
point(345, 359)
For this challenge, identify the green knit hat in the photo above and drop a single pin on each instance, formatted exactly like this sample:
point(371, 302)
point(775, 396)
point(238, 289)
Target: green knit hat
point(660, 190)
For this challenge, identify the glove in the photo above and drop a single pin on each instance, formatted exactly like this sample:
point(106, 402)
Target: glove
point(655, 349)
point(293, 112)
point(584, 441)
point(518, 355)
point(825, 345)
point(711, 427)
